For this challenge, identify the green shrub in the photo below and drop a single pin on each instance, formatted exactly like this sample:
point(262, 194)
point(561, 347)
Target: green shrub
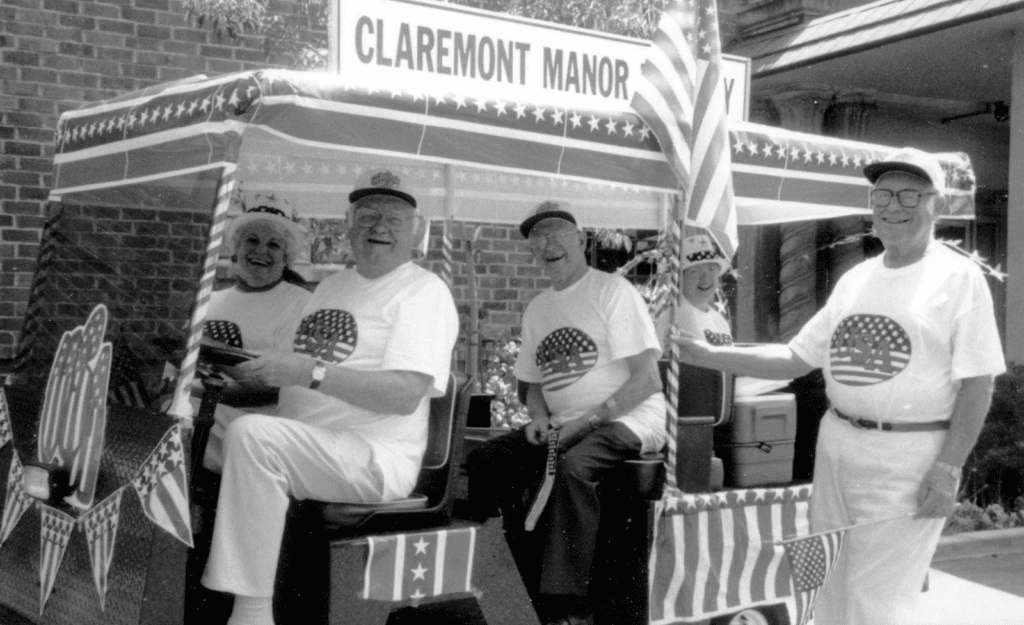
point(500, 380)
point(994, 472)
point(969, 517)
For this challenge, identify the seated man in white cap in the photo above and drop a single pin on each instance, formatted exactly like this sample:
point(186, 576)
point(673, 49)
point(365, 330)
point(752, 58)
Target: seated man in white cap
point(590, 358)
point(373, 346)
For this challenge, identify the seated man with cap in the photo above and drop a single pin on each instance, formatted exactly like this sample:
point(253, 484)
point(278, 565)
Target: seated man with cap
point(589, 357)
point(374, 345)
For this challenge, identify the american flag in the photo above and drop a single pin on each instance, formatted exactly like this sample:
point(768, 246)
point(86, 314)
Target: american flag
point(868, 349)
point(715, 554)
point(162, 486)
point(681, 96)
point(565, 356)
point(226, 332)
point(414, 566)
point(54, 534)
point(17, 501)
point(100, 527)
point(811, 559)
point(127, 386)
point(328, 334)
point(5, 420)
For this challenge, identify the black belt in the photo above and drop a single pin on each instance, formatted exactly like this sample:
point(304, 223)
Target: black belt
point(868, 424)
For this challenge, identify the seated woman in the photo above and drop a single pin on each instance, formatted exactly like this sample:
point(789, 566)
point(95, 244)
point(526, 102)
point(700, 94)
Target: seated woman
point(702, 268)
point(260, 312)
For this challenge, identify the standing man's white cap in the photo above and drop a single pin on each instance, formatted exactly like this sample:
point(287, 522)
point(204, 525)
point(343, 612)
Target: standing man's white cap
point(912, 161)
point(547, 209)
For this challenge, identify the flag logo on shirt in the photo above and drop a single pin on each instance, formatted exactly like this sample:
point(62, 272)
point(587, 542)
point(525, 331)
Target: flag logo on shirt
point(868, 349)
point(717, 338)
point(328, 334)
point(224, 331)
point(565, 356)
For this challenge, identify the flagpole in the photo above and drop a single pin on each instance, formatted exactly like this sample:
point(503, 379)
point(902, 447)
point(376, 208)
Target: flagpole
point(841, 529)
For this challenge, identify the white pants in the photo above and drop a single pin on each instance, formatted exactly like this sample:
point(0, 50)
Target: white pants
point(266, 459)
point(867, 475)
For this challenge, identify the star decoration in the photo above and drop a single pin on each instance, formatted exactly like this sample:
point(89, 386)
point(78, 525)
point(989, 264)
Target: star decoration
point(421, 546)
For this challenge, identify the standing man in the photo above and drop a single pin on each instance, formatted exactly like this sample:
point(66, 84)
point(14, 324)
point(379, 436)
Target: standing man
point(589, 356)
point(909, 348)
point(373, 346)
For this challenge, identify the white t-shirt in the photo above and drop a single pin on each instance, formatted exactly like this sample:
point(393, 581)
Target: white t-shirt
point(895, 343)
point(575, 345)
point(708, 325)
point(403, 321)
point(259, 321)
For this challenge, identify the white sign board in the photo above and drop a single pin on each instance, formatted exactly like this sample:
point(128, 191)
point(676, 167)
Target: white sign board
point(436, 47)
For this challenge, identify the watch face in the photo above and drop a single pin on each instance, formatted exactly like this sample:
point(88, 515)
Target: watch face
point(319, 371)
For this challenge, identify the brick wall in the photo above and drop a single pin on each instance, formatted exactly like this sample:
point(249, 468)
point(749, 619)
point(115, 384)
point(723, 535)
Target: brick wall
point(507, 278)
point(56, 55)
point(144, 264)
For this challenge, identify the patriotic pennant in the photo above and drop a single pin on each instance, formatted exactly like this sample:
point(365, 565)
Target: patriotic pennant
point(716, 554)
point(811, 560)
point(55, 532)
point(415, 566)
point(681, 96)
point(100, 527)
point(162, 486)
point(5, 420)
point(17, 501)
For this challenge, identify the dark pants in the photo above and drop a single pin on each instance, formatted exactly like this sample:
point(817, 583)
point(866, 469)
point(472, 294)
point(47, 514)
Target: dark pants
point(504, 473)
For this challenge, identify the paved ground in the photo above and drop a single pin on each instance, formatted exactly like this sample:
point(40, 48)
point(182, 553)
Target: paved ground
point(985, 590)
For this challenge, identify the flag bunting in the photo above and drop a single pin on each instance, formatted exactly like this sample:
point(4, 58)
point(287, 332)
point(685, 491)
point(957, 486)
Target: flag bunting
point(414, 566)
point(17, 501)
point(162, 486)
point(715, 554)
point(100, 527)
point(54, 534)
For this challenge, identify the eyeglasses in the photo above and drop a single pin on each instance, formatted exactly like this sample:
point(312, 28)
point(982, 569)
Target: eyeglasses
point(908, 198)
point(368, 217)
point(540, 240)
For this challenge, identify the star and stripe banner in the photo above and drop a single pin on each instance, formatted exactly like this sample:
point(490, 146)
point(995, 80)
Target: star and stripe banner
point(54, 534)
point(162, 486)
point(681, 97)
point(308, 133)
point(100, 527)
point(715, 554)
point(414, 566)
point(16, 502)
point(811, 559)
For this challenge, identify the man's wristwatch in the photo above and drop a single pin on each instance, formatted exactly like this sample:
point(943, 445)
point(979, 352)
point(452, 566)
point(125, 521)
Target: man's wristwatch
point(594, 421)
point(318, 374)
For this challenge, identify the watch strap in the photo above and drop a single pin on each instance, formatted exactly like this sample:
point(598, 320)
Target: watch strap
point(318, 373)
